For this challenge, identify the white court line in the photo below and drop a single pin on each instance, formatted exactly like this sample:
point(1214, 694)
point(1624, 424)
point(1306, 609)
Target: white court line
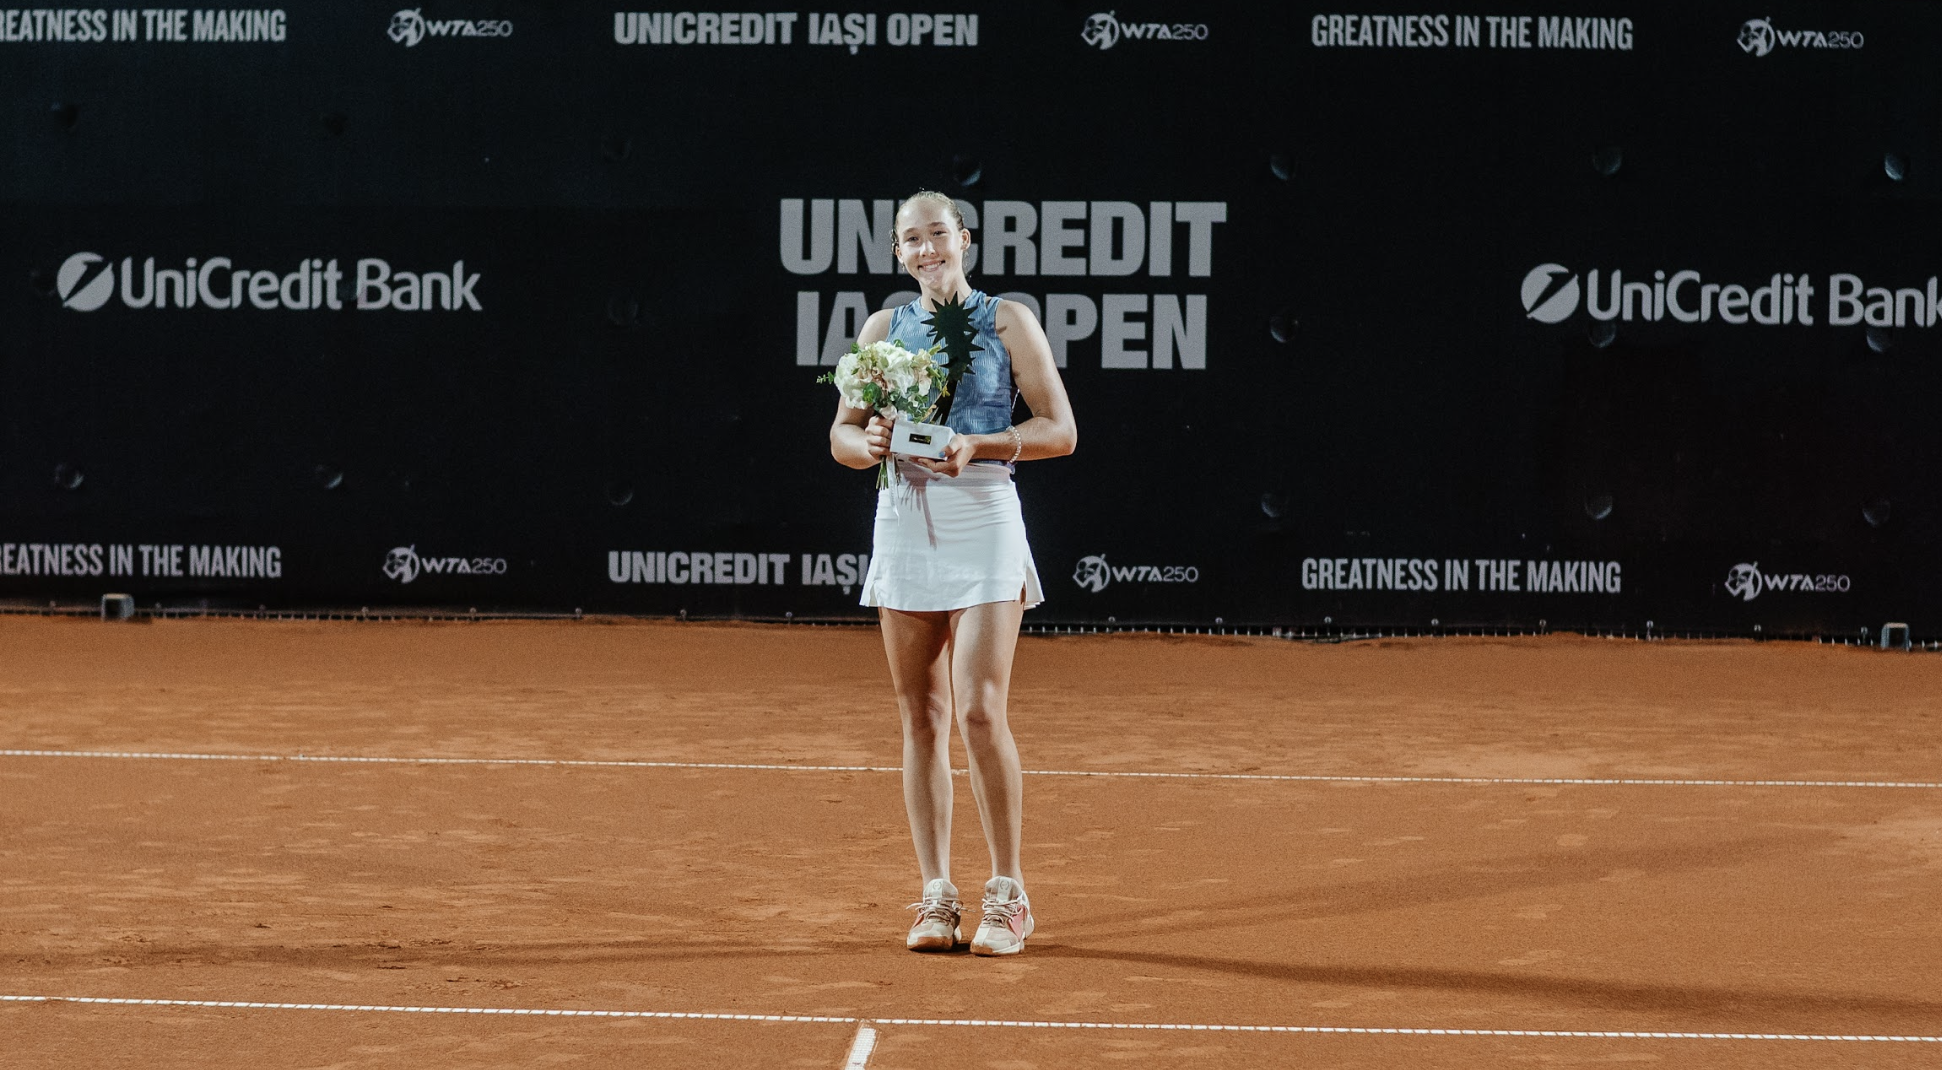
point(866, 1042)
point(990, 1023)
point(1104, 773)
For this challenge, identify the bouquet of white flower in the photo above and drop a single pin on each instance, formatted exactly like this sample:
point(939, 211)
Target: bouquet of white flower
point(889, 380)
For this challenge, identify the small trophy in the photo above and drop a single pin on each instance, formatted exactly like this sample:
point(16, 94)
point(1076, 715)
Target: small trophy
point(951, 328)
point(914, 438)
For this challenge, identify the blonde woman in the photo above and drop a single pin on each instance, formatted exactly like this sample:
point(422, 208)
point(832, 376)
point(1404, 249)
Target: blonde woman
point(951, 574)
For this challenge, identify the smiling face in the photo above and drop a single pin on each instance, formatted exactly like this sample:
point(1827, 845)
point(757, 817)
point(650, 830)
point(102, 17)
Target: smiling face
point(931, 244)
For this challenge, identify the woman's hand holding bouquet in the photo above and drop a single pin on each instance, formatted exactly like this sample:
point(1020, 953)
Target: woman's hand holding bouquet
point(891, 381)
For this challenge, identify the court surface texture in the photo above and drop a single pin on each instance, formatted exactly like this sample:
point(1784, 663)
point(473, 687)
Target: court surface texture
point(626, 844)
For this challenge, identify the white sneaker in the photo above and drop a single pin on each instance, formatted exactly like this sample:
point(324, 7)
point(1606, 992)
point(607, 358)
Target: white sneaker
point(1007, 919)
point(938, 914)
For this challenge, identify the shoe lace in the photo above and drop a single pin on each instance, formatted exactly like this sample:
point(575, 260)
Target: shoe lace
point(929, 909)
point(996, 909)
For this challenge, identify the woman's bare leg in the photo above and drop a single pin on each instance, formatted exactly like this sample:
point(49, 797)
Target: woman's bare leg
point(983, 640)
point(916, 644)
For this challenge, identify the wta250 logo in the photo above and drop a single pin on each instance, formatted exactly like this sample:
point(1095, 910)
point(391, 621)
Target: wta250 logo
point(1092, 574)
point(1095, 574)
point(402, 563)
point(1759, 37)
point(1746, 582)
point(1105, 29)
point(410, 26)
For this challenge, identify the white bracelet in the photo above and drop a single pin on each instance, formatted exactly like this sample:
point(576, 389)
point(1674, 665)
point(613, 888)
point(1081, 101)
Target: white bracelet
point(1017, 443)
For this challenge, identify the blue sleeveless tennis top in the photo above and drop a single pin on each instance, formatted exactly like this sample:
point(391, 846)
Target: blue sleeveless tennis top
point(985, 397)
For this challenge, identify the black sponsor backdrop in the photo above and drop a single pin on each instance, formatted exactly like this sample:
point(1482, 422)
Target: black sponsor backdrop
point(630, 383)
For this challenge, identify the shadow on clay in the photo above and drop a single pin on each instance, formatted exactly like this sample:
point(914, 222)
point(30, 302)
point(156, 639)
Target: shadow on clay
point(1442, 885)
point(1527, 872)
point(1684, 1000)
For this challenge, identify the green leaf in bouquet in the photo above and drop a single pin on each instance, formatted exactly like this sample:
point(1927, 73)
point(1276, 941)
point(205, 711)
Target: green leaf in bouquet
point(951, 327)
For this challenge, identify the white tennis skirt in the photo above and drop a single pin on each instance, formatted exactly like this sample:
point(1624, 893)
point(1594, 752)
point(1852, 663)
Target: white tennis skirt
point(945, 543)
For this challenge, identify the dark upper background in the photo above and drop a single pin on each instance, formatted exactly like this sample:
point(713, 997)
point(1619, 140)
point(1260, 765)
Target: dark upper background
point(1414, 412)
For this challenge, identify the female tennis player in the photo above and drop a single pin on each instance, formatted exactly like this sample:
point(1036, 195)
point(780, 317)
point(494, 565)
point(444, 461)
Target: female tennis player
point(950, 572)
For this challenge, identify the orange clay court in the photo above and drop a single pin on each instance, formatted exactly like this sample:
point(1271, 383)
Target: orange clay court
point(1754, 856)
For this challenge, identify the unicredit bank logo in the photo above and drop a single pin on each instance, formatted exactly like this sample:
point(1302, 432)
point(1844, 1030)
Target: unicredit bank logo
point(85, 282)
point(1550, 293)
point(89, 281)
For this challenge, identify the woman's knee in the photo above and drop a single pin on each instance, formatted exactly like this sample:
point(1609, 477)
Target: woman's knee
point(982, 720)
point(925, 722)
